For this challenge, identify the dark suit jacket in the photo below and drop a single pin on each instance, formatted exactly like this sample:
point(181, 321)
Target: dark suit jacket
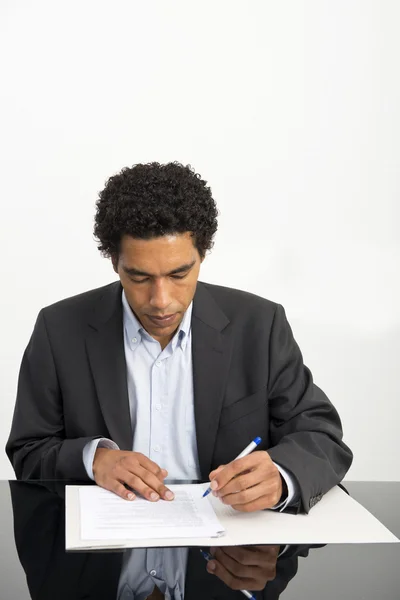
point(249, 380)
point(39, 530)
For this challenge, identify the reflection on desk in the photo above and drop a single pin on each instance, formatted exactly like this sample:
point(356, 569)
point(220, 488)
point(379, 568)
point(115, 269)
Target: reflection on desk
point(39, 527)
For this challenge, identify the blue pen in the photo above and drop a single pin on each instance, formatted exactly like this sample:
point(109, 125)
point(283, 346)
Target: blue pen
point(245, 452)
point(208, 557)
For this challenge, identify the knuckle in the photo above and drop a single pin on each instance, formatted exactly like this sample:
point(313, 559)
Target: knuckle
point(235, 584)
point(226, 577)
point(276, 494)
point(271, 572)
point(156, 487)
point(133, 483)
point(241, 556)
point(243, 482)
point(232, 553)
point(118, 489)
point(235, 467)
point(218, 554)
point(142, 489)
point(241, 497)
point(267, 457)
point(114, 469)
point(153, 484)
point(161, 488)
point(246, 495)
point(242, 571)
point(258, 585)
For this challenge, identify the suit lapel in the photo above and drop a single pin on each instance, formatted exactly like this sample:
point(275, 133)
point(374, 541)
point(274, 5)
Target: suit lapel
point(105, 347)
point(211, 354)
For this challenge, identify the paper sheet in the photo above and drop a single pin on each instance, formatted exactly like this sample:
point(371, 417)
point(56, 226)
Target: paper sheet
point(336, 519)
point(103, 515)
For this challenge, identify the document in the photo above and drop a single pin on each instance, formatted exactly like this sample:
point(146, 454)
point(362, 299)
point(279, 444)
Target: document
point(97, 519)
point(103, 515)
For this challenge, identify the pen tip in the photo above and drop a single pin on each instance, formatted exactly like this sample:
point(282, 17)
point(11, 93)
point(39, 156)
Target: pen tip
point(257, 440)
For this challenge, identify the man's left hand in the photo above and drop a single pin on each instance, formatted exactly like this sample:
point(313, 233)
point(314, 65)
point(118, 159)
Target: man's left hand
point(248, 484)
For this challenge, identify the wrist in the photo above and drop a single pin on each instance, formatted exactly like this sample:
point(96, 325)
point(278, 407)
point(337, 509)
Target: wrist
point(98, 457)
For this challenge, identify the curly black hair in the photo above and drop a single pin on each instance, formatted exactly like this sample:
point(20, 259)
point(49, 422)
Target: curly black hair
point(152, 200)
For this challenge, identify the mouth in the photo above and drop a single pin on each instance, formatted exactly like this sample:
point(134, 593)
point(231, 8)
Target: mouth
point(162, 321)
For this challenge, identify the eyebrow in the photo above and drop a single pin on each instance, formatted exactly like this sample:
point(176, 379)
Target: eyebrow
point(138, 273)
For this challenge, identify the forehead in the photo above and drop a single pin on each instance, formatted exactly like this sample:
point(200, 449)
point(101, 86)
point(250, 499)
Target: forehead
point(168, 251)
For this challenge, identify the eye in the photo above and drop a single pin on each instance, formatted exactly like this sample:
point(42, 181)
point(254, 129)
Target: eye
point(179, 276)
point(138, 280)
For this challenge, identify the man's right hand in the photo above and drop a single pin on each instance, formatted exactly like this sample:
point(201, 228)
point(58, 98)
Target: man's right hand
point(114, 468)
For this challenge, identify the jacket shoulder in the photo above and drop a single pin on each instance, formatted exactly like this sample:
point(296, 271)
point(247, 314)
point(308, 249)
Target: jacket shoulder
point(232, 300)
point(80, 304)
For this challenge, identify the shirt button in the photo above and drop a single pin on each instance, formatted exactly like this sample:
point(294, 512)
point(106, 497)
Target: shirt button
point(158, 406)
point(158, 363)
point(153, 572)
point(156, 448)
point(134, 340)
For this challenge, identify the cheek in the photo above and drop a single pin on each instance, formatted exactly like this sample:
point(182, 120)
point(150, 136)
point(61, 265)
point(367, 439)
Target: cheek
point(135, 297)
point(186, 295)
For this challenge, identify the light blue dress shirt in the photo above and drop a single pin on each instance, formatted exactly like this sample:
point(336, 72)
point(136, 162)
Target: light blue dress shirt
point(161, 401)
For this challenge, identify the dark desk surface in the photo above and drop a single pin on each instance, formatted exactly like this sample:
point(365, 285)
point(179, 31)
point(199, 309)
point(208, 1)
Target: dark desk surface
point(32, 531)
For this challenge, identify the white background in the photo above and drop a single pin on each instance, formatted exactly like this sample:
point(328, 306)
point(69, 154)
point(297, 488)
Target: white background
point(290, 110)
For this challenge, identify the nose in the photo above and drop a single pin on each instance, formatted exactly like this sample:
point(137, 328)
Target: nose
point(160, 298)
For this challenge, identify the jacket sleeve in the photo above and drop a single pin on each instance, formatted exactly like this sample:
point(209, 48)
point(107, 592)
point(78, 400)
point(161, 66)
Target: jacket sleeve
point(305, 428)
point(37, 447)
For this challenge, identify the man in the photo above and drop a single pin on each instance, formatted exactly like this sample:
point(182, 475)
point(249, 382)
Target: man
point(160, 376)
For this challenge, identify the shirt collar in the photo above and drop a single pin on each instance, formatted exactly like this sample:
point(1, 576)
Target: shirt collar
point(133, 326)
point(135, 329)
point(185, 326)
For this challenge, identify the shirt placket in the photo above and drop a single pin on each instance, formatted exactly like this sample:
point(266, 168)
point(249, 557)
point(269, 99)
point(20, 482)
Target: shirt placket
point(158, 422)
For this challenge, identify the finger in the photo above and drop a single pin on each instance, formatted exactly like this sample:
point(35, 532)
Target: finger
point(237, 568)
point(235, 583)
point(263, 558)
point(271, 550)
point(245, 496)
point(245, 555)
point(146, 484)
point(235, 468)
point(241, 482)
point(271, 489)
point(131, 467)
point(120, 490)
point(151, 466)
point(153, 482)
point(260, 503)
